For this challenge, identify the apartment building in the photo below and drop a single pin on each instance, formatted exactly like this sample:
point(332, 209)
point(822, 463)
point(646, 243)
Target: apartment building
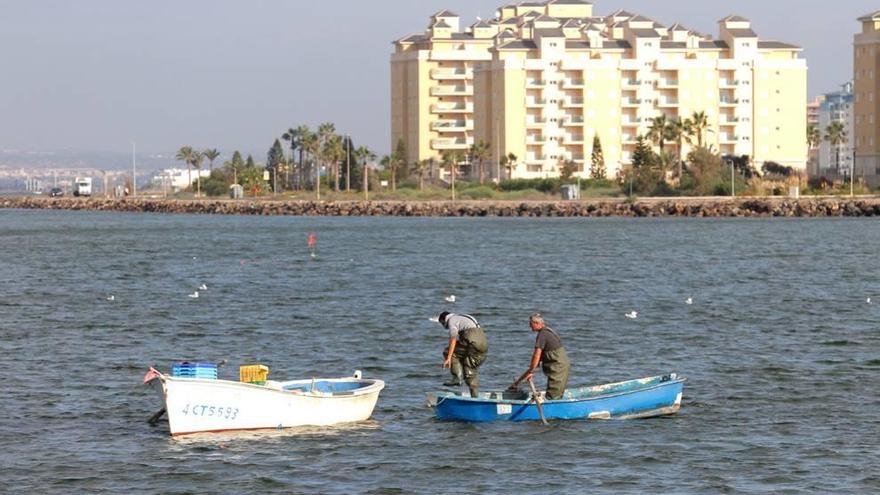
point(541, 79)
point(836, 160)
point(867, 99)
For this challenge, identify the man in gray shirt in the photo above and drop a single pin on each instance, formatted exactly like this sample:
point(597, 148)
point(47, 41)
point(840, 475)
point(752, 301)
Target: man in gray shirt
point(466, 350)
point(551, 355)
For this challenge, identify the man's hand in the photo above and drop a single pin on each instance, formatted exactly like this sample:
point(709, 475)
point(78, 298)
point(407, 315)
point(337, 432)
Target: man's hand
point(447, 363)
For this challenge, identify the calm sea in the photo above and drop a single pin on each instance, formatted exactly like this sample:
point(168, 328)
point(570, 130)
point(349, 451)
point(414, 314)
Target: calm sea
point(781, 350)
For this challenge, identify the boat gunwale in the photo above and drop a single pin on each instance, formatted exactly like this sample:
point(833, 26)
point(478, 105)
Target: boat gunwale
point(375, 387)
point(525, 402)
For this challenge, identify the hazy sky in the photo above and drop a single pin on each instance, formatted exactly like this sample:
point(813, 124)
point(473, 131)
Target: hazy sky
point(98, 74)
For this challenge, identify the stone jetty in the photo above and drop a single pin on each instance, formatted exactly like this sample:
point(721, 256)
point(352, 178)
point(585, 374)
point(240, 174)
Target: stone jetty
point(648, 207)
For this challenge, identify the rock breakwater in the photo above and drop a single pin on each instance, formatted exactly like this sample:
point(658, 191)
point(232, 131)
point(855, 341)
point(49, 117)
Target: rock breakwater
point(683, 207)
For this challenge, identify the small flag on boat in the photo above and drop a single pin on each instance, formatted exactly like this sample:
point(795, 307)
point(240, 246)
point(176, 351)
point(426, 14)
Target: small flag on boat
point(151, 375)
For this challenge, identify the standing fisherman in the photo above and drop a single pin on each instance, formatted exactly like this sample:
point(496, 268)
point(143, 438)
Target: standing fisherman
point(466, 350)
point(550, 353)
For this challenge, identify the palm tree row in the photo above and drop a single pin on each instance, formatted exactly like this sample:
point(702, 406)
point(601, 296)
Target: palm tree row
point(691, 130)
point(193, 159)
point(312, 152)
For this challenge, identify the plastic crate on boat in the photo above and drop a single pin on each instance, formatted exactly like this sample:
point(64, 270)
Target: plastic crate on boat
point(194, 370)
point(254, 373)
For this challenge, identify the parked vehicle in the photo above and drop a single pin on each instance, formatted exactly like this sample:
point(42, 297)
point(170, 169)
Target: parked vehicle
point(82, 186)
point(56, 192)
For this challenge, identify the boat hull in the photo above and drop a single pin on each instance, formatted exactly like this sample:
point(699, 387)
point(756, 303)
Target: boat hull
point(647, 397)
point(199, 406)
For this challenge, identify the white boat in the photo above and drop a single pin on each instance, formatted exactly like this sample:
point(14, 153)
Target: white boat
point(196, 405)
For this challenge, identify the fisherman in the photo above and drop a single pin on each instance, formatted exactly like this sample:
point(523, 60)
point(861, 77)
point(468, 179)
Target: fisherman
point(466, 350)
point(550, 353)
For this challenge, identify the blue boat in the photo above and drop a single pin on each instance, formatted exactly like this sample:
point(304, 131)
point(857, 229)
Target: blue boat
point(643, 398)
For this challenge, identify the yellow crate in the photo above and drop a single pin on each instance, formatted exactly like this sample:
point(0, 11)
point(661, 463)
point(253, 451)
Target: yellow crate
point(253, 373)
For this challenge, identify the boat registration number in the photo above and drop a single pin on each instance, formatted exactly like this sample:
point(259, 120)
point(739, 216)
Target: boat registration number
point(224, 412)
point(504, 408)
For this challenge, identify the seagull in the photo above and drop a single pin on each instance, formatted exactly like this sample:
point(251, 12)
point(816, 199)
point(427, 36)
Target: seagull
point(689, 301)
point(194, 295)
point(203, 287)
point(632, 315)
point(450, 298)
point(194, 257)
point(869, 300)
point(111, 297)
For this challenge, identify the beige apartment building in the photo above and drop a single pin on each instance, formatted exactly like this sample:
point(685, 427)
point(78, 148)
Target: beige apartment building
point(867, 99)
point(541, 79)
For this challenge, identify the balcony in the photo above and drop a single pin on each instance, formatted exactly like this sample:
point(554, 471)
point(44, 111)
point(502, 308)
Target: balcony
point(728, 120)
point(573, 121)
point(727, 102)
point(667, 83)
point(576, 157)
point(573, 139)
point(451, 74)
point(453, 125)
point(628, 139)
point(449, 144)
point(452, 91)
point(535, 83)
point(573, 102)
point(630, 102)
point(632, 121)
point(631, 83)
point(573, 83)
point(535, 139)
point(667, 102)
point(536, 102)
point(535, 159)
point(452, 108)
point(726, 83)
point(728, 138)
point(536, 122)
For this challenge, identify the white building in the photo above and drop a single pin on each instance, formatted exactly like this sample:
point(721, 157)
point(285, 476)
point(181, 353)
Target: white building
point(178, 178)
point(837, 107)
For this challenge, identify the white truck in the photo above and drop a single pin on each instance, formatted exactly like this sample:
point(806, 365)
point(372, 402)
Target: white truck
point(82, 186)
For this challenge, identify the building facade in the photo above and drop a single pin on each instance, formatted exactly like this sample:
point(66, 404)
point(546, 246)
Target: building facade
point(542, 79)
point(867, 99)
point(836, 160)
point(813, 121)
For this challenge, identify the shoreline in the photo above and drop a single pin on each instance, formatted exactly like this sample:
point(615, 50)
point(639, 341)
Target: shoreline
point(714, 207)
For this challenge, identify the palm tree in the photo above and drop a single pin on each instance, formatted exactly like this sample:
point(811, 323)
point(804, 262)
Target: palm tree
point(312, 145)
point(835, 134)
point(325, 131)
point(676, 133)
point(698, 123)
point(211, 154)
point(364, 154)
point(511, 164)
point(452, 159)
point(185, 154)
point(479, 153)
point(197, 164)
point(422, 167)
point(814, 135)
point(659, 131)
point(332, 152)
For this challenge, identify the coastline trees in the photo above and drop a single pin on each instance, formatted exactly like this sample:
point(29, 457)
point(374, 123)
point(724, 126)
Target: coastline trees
point(597, 160)
point(185, 154)
point(835, 134)
point(479, 152)
point(211, 154)
point(696, 126)
point(363, 155)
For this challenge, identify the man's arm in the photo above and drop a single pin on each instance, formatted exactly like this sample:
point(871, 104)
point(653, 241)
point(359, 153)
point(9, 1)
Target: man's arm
point(448, 362)
point(536, 359)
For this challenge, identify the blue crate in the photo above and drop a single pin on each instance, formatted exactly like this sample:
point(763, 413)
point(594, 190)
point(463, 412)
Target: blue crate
point(194, 370)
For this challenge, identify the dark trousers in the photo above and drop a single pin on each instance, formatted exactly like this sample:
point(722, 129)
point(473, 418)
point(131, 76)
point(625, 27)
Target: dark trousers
point(556, 366)
point(469, 354)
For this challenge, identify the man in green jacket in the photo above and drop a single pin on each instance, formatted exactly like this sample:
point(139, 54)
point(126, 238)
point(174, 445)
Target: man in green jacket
point(550, 353)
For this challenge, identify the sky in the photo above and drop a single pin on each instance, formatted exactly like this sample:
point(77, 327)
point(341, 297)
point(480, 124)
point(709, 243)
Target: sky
point(97, 75)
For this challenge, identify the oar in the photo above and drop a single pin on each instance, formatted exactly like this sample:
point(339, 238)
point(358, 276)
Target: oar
point(537, 401)
point(158, 414)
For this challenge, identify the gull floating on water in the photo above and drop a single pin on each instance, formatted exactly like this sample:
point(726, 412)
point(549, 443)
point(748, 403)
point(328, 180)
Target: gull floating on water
point(203, 287)
point(111, 297)
point(632, 315)
point(194, 295)
point(450, 298)
point(869, 300)
point(689, 301)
